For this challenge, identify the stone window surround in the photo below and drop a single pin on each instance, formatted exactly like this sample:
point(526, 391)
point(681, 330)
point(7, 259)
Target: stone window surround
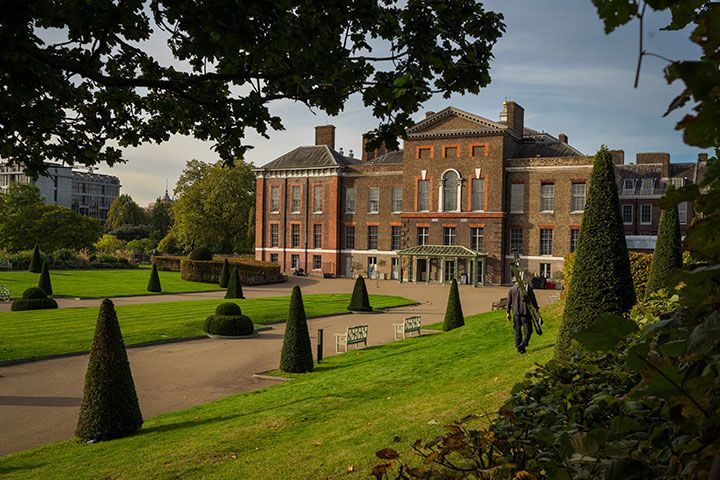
point(458, 193)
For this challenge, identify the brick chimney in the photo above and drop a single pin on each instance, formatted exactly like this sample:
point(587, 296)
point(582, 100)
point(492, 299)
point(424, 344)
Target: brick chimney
point(325, 135)
point(702, 157)
point(618, 156)
point(429, 114)
point(513, 115)
point(563, 138)
point(372, 154)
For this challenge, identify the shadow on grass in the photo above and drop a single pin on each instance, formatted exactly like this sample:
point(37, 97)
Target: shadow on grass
point(5, 469)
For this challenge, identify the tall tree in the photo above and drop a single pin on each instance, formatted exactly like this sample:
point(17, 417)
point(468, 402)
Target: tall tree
point(601, 280)
point(214, 210)
point(19, 196)
point(667, 256)
point(94, 88)
point(124, 211)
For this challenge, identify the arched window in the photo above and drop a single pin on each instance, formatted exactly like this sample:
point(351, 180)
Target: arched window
point(450, 190)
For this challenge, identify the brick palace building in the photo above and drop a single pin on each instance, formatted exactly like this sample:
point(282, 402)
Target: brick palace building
point(463, 192)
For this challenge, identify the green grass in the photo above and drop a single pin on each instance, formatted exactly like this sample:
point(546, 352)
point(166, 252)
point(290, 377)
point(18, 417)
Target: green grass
point(102, 283)
point(317, 424)
point(38, 333)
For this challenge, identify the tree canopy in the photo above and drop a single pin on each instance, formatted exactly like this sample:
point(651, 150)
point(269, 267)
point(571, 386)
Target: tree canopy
point(124, 211)
point(81, 82)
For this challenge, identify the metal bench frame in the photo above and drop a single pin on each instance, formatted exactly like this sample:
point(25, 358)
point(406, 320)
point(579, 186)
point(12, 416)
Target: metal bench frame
point(6, 265)
point(408, 325)
point(4, 293)
point(502, 303)
point(353, 335)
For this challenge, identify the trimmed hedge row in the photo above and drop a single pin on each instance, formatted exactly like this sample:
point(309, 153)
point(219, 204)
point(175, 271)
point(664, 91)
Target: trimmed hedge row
point(34, 298)
point(66, 258)
point(250, 272)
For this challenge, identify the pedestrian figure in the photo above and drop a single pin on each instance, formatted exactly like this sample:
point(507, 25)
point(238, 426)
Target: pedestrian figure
point(522, 322)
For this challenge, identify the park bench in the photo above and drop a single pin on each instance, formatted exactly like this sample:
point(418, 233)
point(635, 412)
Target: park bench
point(502, 303)
point(353, 335)
point(6, 265)
point(4, 293)
point(408, 325)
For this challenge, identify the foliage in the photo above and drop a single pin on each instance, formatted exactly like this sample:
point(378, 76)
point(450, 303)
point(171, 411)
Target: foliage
point(228, 308)
point(67, 258)
point(296, 355)
point(131, 232)
point(18, 196)
point(229, 321)
point(142, 246)
point(34, 298)
point(109, 244)
point(36, 263)
point(169, 244)
point(160, 219)
point(601, 272)
point(653, 307)
point(44, 281)
point(639, 268)
point(250, 271)
point(201, 253)
point(154, 282)
point(234, 288)
point(95, 88)
point(225, 275)
point(214, 210)
point(124, 211)
point(453, 312)
point(167, 263)
point(360, 301)
point(667, 256)
point(109, 407)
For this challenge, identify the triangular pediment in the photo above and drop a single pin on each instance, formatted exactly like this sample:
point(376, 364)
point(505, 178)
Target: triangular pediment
point(453, 119)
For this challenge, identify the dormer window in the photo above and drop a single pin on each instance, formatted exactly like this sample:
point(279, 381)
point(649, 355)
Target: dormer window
point(647, 186)
point(628, 185)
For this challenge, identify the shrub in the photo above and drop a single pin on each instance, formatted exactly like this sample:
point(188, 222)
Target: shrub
point(228, 321)
point(169, 244)
point(225, 275)
point(639, 268)
point(296, 355)
point(453, 313)
point(228, 308)
point(359, 302)
point(36, 262)
point(131, 232)
point(167, 263)
point(667, 256)
point(109, 407)
point(601, 280)
point(154, 282)
point(45, 282)
point(234, 286)
point(34, 298)
point(201, 253)
point(251, 271)
point(109, 244)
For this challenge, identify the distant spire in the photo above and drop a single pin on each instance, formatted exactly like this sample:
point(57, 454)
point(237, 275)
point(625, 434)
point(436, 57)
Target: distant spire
point(166, 198)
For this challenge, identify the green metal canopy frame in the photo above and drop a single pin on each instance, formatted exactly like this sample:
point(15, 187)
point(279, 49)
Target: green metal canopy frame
point(444, 251)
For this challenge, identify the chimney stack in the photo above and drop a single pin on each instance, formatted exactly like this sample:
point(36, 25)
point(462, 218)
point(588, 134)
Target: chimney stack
point(429, 114)
point(513, 115)
point(325, 135)
point(372, 154)
point(702, 157)
point(563, 138)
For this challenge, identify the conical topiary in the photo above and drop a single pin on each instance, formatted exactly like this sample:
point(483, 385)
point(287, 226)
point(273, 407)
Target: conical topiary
point(234, 289)
point(36, 262)
point(225, 275)
point(667, 256)
point(601, 280)
point(360, 301)
point(109, 407)
point(154, 282)
point(453, 313)
point(296, 355)
point(45, 282)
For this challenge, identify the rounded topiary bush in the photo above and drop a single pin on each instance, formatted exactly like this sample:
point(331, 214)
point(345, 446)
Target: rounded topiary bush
point(228, 321)
point(34, 298)
point(201, 253)
point(228, 308)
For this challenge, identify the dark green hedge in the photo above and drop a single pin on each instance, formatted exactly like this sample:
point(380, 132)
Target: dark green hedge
point(167, 263)
point(667, 256)
point(154, 282)
point(201, 253)
point(296, 355)
point(453, 313)
point(229, 325)
point(44, 281)
point(251, 272)
point(228, 308)
point(36, 262)
point(359, 302)
point(34, 304)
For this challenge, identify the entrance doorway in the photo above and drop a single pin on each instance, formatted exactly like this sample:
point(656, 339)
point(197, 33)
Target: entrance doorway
point(449, 270)
point(372, 267)
point(422, 273)
point(395, 268)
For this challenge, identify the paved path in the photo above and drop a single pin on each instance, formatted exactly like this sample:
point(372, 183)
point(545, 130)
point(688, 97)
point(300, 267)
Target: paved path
point(39, 401)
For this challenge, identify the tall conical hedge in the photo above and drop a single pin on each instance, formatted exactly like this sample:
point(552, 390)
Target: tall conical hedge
point(45, 282)
point(36, 262)
point(296, 355)
point(360, 301)
point(234, 289)
point(453, 313)
point(602, 281)
point(109, 407)
point(667, 256)
point(225, 275)
point(154, 282)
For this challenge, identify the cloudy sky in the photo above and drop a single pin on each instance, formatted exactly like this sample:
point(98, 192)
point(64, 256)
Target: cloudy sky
point(554, 60)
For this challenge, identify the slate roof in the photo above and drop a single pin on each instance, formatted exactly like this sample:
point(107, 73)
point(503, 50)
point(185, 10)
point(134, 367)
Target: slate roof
point(388, 158)
point(546, 149)
point(654, 171)
point(315, 156)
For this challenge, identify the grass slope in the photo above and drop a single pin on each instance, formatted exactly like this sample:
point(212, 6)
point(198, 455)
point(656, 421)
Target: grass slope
point(102, 283)
point(320, 423)
point(51, 332)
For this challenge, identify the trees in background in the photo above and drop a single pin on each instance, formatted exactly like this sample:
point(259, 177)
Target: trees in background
point(126, 217)
point(160, 219)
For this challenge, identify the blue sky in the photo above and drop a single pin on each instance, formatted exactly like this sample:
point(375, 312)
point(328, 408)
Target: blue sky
point(554, 60)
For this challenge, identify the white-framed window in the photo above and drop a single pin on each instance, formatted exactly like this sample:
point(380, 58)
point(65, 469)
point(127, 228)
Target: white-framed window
point(394, 237)
point(678, 182)
point(546, 241)
point(350, 237)
point(295, 235)
point(628, 185)
point(373, 199)
point(478, 194)
point(450, 191)
point(274, 200)
point(645, 214)
point(423, 234)
point(397, 199)
point(295, 205)
point(547, 197)
point(274, 235)
point(477, 239)
point(317, 199)
point(627, 214)
point(448, 235)
point(545, 270)
point(317, 262)
point(517, 198)
point(317, 235)
point(683, 213)
point(647, 186)
point(574, 237)
point(350, 200)
point(516, 239)
point(423, 196)
point(577, 197)
point(372, 237)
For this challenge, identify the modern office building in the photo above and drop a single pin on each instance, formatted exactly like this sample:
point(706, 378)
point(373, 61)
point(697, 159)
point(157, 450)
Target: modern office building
point(453, 203)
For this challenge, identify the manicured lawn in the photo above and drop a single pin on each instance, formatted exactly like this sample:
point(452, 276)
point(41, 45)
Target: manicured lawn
point(319, 424)
point(37, 333)
point(102, 283)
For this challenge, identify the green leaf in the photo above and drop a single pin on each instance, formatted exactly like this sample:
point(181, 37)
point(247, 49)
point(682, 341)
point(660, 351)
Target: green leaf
point(628, 469)
point(703, 339)
point(606, 332)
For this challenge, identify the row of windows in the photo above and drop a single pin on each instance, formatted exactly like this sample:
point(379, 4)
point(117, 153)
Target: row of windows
point(374, 200)
point(349, 242)
point(647, 185)
point(452, 151)
point(547, 197)
point(646, 214)
point(546, 240)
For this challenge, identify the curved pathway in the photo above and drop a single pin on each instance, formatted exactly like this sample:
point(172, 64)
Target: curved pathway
point(39, 401)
